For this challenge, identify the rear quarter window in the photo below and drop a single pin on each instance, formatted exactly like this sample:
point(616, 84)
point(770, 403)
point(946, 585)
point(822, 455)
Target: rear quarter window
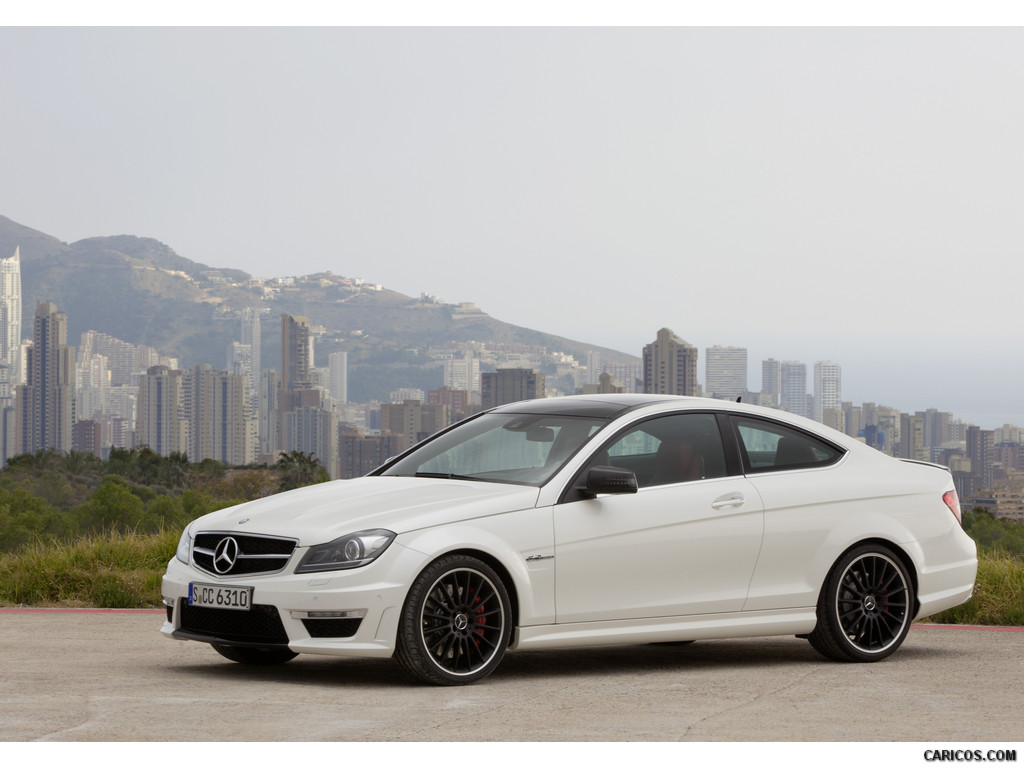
point(771, 447)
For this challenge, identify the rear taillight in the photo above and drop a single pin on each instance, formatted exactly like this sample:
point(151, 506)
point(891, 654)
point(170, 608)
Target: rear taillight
point(953, 502)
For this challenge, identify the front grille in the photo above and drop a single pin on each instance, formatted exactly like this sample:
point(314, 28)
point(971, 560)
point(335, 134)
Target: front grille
point(233, 554)
point(332, 627)
point(259, 625)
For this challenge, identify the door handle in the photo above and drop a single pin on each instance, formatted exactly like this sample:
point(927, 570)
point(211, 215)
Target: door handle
point(732, 500)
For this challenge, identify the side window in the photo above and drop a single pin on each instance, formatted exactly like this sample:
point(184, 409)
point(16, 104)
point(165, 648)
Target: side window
point(669, 449)
point(768, 447)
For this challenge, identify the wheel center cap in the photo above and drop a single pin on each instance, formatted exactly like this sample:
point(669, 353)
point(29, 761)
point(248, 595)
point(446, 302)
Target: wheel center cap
point(869, 603)
point(461, 621)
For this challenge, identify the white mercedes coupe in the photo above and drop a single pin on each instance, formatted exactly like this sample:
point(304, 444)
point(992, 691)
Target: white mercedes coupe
point(586, 520)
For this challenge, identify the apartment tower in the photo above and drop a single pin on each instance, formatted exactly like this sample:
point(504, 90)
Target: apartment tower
point(46, 403)
point(670, 366)
point(10, 314)
point(827, 388)
point(793, 395)
point(725, 373)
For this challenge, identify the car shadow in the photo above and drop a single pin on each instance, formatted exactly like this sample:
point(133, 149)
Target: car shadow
point(632, 660)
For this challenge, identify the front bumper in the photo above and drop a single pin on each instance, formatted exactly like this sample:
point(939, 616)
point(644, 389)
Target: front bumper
point(338, 613)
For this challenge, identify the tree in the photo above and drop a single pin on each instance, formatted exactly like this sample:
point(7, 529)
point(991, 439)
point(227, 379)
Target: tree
point(297, 468)
point(112, 506)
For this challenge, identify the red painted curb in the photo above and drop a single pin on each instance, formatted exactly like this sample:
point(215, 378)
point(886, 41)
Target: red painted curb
point(967, 626)
point(81, 610)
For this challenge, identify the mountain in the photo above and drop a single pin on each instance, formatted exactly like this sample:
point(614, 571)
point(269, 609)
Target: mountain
point(139, 290)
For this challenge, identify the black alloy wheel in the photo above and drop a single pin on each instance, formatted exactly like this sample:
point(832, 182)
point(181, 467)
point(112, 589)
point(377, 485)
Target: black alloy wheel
point(866, 606)
point(455, 624)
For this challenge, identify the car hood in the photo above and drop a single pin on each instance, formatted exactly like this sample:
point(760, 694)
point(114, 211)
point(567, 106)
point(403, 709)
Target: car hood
point(320, 513)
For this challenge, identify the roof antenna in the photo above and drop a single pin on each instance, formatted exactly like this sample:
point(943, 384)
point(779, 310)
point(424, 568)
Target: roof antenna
point(739, 399)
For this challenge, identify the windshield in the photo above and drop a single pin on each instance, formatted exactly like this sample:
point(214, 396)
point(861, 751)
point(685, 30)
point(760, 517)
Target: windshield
point(526, 449)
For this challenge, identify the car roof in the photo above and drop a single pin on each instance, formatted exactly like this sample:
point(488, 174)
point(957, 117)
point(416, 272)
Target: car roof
point(611, 406)
point(601, 406)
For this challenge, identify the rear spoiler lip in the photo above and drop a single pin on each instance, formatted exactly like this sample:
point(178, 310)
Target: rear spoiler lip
point(943, 467)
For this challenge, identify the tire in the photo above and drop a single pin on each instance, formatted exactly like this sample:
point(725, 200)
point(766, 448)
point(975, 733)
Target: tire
point(455, 624)
point(263, 657)
point(865, 607)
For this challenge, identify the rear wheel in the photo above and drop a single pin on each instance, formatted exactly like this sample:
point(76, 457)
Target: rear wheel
point(245, 654)
point(455, 624)
point(865, 607)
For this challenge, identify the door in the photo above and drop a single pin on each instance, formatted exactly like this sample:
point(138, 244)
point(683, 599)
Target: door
point(686, 543)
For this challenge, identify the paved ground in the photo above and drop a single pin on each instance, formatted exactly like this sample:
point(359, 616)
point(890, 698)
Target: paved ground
point(81, 676)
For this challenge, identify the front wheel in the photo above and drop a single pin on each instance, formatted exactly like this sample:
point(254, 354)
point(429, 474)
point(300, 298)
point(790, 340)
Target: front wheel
point(455, 624)
point(865, 607)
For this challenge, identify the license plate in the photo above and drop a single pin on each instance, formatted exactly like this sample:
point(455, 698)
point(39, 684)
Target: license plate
point(216, 596)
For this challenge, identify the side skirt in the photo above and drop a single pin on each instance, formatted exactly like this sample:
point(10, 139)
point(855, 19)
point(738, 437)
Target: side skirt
point(795, 621)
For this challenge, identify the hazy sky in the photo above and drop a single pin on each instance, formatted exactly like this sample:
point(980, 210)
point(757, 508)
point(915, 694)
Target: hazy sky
point(850, 194)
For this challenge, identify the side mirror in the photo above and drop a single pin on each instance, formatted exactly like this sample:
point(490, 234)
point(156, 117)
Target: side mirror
point(610, 480)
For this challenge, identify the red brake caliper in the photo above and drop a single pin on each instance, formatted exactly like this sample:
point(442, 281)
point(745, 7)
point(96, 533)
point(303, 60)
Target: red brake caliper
point(481, 620)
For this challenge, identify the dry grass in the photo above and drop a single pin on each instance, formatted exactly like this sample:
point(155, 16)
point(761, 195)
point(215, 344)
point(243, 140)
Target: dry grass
point(115, 570)
point(119, 570)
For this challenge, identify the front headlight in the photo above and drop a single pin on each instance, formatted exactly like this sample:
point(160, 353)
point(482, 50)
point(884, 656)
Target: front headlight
point(185, 545)
point(350, 551)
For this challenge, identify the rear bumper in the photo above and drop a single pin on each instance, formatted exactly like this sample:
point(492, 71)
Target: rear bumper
point(951, 582)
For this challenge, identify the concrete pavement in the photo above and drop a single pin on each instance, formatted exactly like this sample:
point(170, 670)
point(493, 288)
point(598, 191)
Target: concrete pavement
point(110, 676)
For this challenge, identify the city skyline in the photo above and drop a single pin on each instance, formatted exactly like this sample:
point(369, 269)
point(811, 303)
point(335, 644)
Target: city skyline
point(810, 194)
point(202, 413)
point(243, 356)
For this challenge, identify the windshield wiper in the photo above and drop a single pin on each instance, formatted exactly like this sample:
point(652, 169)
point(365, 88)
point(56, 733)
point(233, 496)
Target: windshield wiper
point(449, 476)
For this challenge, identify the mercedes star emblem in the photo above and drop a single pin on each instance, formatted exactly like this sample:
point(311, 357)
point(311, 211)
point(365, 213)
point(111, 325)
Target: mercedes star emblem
point(225, 555)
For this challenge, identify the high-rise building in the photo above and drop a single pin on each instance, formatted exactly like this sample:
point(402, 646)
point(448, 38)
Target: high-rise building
point(337, 363)
point(8, 416)
point(456, 400)
point(269, 424)
point(295, 359)
point(595, 367)
point(510, 385)
point(241, 363)
point(222, 424)
point(46, 403)
point(250, 334)
point(462, 373)
point(912, 445)
point(304, 423)
point(161, 422)
point(725, 374)
point(125, 361)
point(793, 395)
point(413, 420)
point(670, 366)
point(294, 388)
point(936, 428)
point(10, 315)
point(979, 450)
point(827, 388)
point(314, 431)
point(771, 380)
point(359, 454)
point(87, 437)
point(629, 375)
